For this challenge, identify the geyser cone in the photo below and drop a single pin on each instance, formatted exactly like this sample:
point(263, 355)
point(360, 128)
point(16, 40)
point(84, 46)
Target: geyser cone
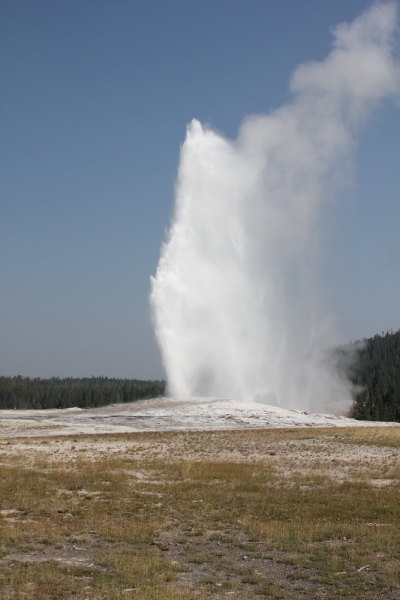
point(236, 302)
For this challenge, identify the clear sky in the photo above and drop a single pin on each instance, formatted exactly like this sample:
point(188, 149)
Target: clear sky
point(95, 99)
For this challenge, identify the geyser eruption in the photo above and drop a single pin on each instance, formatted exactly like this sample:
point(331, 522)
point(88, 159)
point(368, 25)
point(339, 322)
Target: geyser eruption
point(236, 302)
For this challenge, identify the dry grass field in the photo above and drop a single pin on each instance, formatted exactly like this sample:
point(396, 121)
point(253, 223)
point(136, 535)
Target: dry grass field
point(274, 513)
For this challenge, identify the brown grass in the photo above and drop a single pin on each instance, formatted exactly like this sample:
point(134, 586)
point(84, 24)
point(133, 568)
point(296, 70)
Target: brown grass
point(293, 513)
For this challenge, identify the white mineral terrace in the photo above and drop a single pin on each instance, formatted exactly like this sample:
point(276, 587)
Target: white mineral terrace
point(165, 414)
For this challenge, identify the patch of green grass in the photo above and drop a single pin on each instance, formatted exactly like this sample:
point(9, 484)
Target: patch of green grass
point(272, 592)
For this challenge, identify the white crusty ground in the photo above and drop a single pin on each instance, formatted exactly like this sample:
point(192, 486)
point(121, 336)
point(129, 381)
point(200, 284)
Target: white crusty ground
point(165, 414)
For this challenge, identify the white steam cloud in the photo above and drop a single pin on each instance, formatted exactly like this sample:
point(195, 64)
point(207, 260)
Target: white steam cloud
point(236, 301)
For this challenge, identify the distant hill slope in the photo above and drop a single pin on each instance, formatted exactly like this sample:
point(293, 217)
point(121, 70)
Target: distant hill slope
point(26, 393)
point(377, 371)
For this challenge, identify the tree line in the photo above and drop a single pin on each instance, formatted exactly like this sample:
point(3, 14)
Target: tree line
point(26, 393)
point(376, 371)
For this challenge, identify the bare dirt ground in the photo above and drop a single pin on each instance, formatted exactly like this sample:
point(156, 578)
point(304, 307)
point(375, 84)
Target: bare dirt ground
point(340, 460)
point(99, 504)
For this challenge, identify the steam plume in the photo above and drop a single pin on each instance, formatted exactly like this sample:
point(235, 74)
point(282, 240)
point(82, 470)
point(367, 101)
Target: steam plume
point(236, 300)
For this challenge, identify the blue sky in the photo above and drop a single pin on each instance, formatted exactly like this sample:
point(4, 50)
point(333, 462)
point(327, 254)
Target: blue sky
point(95, 98)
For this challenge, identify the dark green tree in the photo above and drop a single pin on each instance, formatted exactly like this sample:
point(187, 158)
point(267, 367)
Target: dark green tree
point(26, 393)
point(376, 373)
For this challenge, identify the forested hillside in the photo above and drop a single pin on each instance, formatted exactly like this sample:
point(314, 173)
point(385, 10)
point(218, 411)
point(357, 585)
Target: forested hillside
point(23, 392)
point(377, 370)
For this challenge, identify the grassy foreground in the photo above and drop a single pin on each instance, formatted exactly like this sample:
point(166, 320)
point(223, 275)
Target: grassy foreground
point(290, 513)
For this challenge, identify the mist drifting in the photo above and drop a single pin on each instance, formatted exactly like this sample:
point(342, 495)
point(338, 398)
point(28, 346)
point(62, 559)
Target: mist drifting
point(237, 306)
